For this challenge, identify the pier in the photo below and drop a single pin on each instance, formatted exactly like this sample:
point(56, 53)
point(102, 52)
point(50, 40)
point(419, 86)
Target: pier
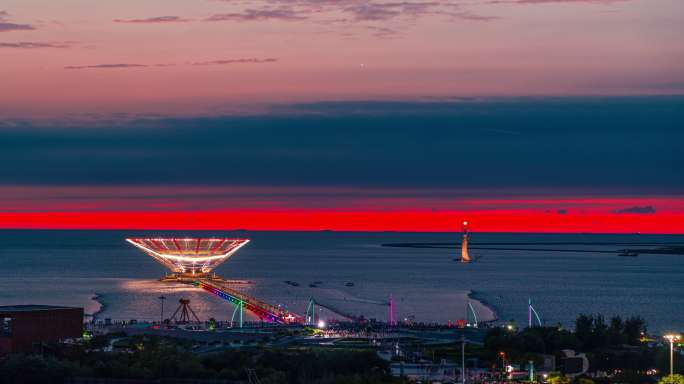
point(265, 311)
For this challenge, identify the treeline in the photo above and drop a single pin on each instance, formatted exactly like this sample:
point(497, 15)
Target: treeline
point(157, 358)
point(610, 346)
point(591, 333)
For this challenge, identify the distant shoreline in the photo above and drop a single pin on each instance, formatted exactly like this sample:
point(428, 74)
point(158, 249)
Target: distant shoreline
point(666, 248)
point(475, 296)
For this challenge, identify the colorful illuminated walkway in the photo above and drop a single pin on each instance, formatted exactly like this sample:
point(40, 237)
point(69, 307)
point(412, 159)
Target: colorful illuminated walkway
point(265, 311)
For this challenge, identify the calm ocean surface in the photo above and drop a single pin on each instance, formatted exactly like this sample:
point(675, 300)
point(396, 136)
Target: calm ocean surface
point(70, 267)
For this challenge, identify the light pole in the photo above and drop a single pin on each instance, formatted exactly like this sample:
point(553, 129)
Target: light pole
point(463, 342)
point(672, 338)
point(161, 315)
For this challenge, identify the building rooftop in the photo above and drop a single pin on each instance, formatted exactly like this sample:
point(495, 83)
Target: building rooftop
point(31, 307)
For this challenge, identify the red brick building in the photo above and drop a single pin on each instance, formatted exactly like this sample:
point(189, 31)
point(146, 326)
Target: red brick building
point(23, 328)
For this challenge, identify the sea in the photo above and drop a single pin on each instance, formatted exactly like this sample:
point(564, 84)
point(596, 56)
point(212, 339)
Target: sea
point(562, 275)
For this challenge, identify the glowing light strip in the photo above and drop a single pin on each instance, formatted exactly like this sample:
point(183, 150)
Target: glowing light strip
point(262, 313)
point(175, 242)
point(536, 315)
point(186, 258)
point(217, 246)
point(472, 310)
point(168, 263)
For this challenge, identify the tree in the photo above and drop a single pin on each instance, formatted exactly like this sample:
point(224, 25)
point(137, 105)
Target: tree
point(633, 328)
point(583, 327)
point(600, 326)
point(34, 369)
point(615, 331)
point(674, 379)
point(616, 324)
point(558, 378)
point(211, 324)
point(599, 332)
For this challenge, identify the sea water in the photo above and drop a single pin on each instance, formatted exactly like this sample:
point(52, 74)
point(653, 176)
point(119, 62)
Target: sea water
point(356, 274)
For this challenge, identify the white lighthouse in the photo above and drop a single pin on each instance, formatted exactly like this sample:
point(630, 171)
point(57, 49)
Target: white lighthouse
point(465, 257)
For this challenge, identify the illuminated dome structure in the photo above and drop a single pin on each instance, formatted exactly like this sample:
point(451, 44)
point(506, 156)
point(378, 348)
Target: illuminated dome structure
point(189, 257)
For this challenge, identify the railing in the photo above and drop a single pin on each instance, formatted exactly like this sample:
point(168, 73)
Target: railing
point(262, 309)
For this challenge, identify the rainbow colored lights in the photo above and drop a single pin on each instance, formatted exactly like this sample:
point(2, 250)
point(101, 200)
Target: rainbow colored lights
point(264, 311)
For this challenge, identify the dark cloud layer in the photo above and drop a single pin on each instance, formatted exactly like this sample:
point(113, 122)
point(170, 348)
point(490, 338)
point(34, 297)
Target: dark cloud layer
point(625, 144)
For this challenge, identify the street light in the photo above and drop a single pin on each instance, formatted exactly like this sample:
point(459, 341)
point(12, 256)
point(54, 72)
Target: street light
point(672, 338)
point(463, 343)
point(161, 315)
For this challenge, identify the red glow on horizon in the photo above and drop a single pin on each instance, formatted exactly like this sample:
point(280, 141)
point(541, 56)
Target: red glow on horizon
point(372, 221)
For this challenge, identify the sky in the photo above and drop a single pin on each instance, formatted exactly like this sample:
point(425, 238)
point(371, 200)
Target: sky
point(203, 56)
point(516, 115)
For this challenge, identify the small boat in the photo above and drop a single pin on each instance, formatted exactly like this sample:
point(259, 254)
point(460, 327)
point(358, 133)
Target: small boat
point(292, 283)
point(627, 253)
point(313, 286)
point(349, 284)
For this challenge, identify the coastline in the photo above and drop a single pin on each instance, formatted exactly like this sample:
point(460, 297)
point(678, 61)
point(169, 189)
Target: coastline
point(475, 296)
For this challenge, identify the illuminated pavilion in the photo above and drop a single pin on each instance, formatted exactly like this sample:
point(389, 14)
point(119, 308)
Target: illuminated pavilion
point(189, 257)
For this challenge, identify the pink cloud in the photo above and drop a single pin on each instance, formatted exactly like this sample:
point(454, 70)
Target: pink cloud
point(105, 66)
point(237, 61)
point(286, 14)
point(35, 45)
point(6, 26)
point(154, 20)
point(555, 1)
